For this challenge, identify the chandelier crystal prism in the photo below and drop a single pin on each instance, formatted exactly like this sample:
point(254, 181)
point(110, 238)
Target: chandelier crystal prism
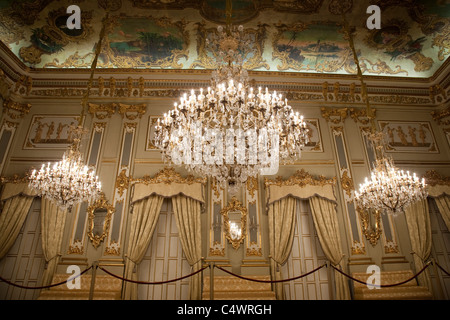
point(231, 131)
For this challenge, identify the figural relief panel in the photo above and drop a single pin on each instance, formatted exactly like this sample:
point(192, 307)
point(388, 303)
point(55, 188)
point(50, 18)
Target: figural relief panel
point(414, 136)
point(50, 132)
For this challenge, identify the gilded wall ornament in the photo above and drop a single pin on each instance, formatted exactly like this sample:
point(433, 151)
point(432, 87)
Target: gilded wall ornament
point(300, 178)
point(99, 219)
point(235, 214)
point(371, 232)
point(168, 175)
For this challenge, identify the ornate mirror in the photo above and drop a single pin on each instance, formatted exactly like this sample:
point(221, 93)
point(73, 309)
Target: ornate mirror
point(99, 216)
point(235, 222)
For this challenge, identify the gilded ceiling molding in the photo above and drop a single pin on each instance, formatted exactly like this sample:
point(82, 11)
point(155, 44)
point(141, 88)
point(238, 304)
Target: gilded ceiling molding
point(253, 58)
point(300, 178)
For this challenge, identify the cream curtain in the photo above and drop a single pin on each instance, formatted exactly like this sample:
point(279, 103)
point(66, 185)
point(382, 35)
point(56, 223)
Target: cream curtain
point(187, 215)
point(53, 221)
point(326, 223)
point(281, 216)
point(443, 204)
point(143, 222)
point(17, 200)
point(419, 227)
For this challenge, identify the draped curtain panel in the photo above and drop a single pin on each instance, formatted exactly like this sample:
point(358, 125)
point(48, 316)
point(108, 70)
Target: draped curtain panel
point(53, 221)
point(143, 222)
point(326, 223)
point(187, 215)
point(443, 204)
point(440, 191)
point(281, 197)
point(281, 216)
point(17, 200)
point(419, 227)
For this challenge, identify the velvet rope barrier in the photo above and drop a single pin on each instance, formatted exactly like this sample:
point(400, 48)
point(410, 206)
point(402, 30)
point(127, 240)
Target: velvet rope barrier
point(152, 283)
point(44, 287)
point(442, 269)
point(272, 281)
point(383, 285)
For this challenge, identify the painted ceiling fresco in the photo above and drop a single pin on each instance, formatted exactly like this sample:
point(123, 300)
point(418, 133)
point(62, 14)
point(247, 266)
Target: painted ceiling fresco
point(305, 36)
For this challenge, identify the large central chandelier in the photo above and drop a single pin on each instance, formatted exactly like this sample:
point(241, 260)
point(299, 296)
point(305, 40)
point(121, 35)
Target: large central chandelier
point(231, 131)
point(389, 189)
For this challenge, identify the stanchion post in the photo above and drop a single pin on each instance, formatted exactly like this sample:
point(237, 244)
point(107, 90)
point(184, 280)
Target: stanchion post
point(330, 281)
point(211, 280)
point(94, 272)
point(438, 280)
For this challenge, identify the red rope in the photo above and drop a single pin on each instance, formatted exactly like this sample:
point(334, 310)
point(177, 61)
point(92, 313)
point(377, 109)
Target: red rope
point(383, 285)
point(158, 282)
point(272, 281)
point(44, 287)
point(443, 270)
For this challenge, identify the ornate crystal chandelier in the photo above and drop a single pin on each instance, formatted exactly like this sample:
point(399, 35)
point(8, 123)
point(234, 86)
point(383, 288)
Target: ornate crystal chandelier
point(389, 190)
point(231, 131)
point(70, 181)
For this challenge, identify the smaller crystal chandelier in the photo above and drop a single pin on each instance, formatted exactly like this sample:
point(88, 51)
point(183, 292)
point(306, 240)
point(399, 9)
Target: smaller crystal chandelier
point(68, 181)
point(389, 190)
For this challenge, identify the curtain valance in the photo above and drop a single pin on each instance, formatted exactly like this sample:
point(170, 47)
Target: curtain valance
point(12, 189)
point(437, 185)
point(301, 185)
point(168, 183)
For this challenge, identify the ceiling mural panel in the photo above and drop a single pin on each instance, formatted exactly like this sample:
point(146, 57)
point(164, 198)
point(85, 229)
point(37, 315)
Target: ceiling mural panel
point(289, 36)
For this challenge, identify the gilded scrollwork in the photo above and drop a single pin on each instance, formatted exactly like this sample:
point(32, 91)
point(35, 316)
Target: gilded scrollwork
point(253, 58)
point(372, 233)
point(168, 175)
point(16, 110)
point(434, 178)
point(334, 115)
point(102, 111)
point(235, 207)
point(300, 178)
point(100, 210)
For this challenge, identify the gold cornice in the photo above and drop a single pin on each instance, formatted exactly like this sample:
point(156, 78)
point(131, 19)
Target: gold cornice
point(300, 178)
point(168, 175)
point(433, 178)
